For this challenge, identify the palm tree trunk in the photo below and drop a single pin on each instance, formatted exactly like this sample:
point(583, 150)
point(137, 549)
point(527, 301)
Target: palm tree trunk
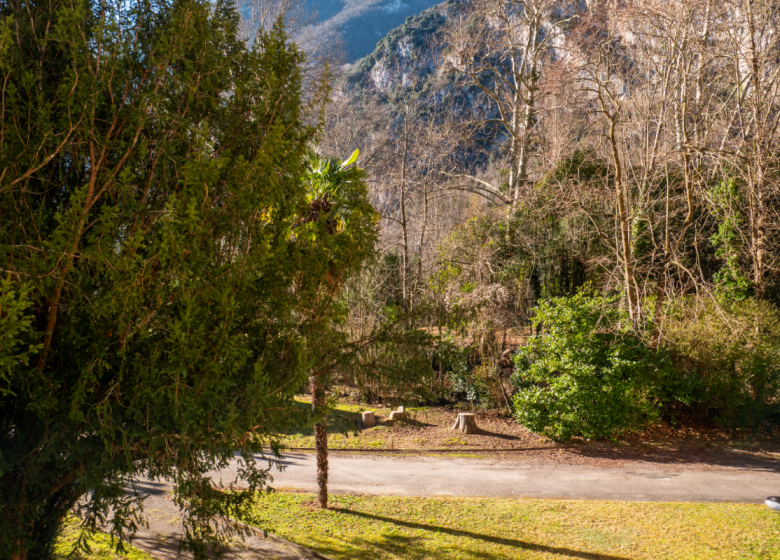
point(320, 437)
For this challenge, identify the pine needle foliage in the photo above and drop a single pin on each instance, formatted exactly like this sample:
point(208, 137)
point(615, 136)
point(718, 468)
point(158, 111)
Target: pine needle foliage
point(151, 170)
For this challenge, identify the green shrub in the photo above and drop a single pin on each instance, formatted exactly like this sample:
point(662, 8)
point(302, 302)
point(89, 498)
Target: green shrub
point(470, 373)
point(726, 361)
point(461, 378)
point(587, 375)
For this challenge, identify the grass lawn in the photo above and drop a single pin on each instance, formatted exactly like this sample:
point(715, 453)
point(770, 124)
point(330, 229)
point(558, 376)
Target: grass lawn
point(379, 527)
point(100, 544)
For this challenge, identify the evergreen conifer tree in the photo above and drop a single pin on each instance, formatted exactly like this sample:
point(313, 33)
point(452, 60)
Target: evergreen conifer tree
point(150, 271)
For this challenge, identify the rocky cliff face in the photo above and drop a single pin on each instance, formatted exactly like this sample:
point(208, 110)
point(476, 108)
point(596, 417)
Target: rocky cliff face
point(409, 54)
point(361, 23)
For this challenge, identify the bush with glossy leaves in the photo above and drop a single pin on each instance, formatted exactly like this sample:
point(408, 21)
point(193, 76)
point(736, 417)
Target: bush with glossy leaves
point(587, 375)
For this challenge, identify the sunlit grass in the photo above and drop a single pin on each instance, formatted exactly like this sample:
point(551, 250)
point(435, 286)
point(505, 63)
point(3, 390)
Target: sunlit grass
point(409, 528)
point(101, 546)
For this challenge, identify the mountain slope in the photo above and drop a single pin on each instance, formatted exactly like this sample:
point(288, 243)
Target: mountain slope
point(362, 23)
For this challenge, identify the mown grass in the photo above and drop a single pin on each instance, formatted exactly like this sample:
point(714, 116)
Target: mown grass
point(335, 441)
point(343, 431)
point(101, 546)
point(380, 527)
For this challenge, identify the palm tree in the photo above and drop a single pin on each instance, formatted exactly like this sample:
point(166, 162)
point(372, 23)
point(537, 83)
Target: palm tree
point(342, 223)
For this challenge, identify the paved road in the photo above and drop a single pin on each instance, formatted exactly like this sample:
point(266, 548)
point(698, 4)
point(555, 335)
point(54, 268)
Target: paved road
point(434, 476)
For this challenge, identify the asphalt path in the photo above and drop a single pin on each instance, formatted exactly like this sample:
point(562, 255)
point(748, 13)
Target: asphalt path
point(448, 476)
point(515, 478)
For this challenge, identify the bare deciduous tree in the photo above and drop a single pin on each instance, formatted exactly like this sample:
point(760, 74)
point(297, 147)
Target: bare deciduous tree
point(502, 47)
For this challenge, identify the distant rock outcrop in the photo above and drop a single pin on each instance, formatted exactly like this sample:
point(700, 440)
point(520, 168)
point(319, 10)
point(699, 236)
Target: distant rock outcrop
point(361, 23)
point(407, 54)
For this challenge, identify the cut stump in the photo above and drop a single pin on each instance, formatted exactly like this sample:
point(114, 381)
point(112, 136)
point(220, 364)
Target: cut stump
point(466, 423)
point(369, 420)
point(399, 414)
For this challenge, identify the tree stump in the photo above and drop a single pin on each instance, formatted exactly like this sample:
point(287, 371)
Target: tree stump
point(369, 420)
point(466, 423)
point(399, 414)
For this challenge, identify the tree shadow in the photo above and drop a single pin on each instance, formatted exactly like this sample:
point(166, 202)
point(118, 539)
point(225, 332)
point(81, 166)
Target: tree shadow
point(407, 421)
point(289, 459)
point(339, 422)
point(150, 487)
point(167, 547)
point(161, 546)
point(514, 543)
point(679, 454)
point(402, 546)
point(498, 435)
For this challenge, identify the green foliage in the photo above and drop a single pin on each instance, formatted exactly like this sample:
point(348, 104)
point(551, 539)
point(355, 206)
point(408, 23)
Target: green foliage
point(731, 280)
point(157, 268)
point(580, 168)
point(587, 375)
point(17, 342)
point(534, 256)
point(338, 218)
point(453, 359)
point(726, 361)
point(468, 287)
point(393, 365)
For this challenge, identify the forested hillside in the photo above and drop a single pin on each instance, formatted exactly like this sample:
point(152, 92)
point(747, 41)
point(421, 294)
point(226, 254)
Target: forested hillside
point(601, 175)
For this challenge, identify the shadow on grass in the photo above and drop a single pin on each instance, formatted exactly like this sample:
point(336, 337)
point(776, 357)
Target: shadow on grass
point(408, 422)
point(482, 432)
point(679, 454)
point(160, 546)
point(407, 548)
point(339, 422)
point(345, 422)
point(514, 543)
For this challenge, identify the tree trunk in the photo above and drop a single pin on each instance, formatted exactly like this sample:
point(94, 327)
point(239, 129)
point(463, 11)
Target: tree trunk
point(422, 235)
point(759, 234)
point(761, 141)
point(404, 223)
point(625, 228)
point(320, 438)
point(658, 314)
point(466, 423)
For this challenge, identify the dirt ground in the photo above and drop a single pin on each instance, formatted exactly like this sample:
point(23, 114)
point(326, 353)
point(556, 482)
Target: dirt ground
point(428, 430)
